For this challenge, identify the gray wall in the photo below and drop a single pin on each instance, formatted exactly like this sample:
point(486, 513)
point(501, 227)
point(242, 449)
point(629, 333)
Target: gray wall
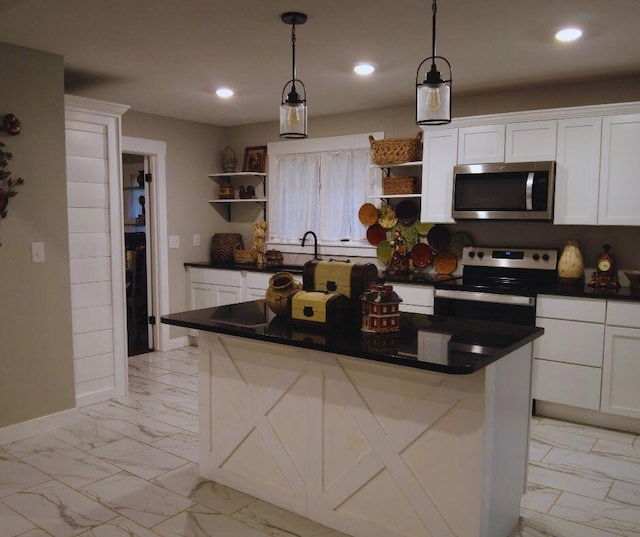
point(36, 356)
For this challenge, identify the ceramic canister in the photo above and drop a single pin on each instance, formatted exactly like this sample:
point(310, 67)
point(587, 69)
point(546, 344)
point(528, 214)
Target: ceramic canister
point(571, 263)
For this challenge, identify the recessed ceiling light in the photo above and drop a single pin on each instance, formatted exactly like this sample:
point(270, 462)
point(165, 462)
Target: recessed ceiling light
point(364, 69)
point(225, 93)
point(568, 34)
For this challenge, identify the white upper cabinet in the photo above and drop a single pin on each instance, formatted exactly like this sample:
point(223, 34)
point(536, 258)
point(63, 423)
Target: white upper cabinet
point(620, 171)
point(530, 141)
point(440, 151)
point(481, 144)
point(578, 171)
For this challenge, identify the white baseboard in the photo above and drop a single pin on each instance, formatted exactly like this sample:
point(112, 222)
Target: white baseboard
point(587, 417)
point(43, 424)
point(97, 397)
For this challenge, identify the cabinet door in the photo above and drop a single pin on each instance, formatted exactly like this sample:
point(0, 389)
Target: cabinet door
point(620, 171)
point(530, 141)
point(202, 295)
point(578, 171)
point(440, 153)
point(225, 294)
point(621, 372)
point(477, 145)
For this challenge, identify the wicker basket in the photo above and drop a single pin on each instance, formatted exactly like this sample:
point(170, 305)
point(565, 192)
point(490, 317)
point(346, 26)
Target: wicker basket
point(400, 185)
point(395, 150)
point(222, 247)
point(244, 257)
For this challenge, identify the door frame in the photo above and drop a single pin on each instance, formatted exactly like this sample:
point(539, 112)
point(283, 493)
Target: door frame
point(156, 150)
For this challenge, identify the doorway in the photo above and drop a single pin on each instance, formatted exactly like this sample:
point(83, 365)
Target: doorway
point(136, 185)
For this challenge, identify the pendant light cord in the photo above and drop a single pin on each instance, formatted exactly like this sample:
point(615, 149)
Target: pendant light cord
point(434, 9)
point(293, 55)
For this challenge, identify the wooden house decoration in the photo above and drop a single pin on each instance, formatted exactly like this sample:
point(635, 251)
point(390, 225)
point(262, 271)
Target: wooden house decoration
point(380, 309)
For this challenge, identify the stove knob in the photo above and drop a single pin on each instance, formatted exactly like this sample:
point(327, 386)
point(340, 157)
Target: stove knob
point(480, 255)
point(472, 254)
point(545, 257)
point(536, 257)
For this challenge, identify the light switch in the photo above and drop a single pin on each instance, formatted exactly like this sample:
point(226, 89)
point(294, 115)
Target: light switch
point(174, 241)
point(196, 240)
point(37, 252)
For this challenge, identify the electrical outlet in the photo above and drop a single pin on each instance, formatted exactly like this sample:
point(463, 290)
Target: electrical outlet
point(37, 252)
point(174, 241)
point(196, 240)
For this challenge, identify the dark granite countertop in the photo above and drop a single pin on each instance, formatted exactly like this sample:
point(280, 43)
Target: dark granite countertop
point(294, 269)
point(443, 344)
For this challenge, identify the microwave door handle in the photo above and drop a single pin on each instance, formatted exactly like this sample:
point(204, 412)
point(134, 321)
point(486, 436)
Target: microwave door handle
point(529, 192)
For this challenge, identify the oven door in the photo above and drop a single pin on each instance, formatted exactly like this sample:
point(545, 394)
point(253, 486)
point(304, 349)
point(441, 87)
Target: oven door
point(515, 309)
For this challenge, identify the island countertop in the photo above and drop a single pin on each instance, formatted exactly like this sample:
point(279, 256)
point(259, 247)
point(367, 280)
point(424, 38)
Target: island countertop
point(430, 342)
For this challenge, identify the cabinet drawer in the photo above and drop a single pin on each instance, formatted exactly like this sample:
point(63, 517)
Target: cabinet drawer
point(570, 341)
point(623, 314)
point(232, 278)
point(567, 384)
point(414, 295)
point(257, 280)
point(574, 309)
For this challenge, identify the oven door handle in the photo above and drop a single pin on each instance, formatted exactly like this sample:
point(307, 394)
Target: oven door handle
point(477, 296)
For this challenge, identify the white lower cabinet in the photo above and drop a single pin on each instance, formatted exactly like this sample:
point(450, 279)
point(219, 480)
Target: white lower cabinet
point(589, 355)
point(568, 357)
point(415, 298)
point(256, 285)
point(621, 366)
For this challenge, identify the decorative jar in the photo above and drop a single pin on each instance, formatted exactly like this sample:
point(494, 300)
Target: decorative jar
point(281, 285)
point(571, 264)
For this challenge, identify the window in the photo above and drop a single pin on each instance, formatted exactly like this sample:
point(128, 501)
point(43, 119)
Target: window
point(319, 185)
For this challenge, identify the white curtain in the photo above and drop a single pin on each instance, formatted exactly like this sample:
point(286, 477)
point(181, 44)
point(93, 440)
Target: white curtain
point(293, 200)
point(320, 191)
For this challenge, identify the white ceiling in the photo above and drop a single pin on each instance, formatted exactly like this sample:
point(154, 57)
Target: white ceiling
point(167, 57)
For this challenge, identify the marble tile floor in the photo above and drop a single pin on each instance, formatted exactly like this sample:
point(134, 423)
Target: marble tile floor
point(127, 468)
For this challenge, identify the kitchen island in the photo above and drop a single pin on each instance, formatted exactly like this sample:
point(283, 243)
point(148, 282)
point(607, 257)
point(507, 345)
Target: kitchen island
point(418, 433)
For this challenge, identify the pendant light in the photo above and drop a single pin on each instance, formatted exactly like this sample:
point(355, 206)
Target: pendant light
point(293, 110)
point(433, 94)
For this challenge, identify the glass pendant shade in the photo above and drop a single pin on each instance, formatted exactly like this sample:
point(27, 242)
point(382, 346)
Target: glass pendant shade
point(433, 97)
point(293, 114)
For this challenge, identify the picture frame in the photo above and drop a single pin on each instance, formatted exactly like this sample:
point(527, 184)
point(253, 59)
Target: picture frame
point(255, 159)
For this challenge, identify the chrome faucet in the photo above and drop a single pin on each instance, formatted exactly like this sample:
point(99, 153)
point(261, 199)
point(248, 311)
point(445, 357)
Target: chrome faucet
point(315, 243)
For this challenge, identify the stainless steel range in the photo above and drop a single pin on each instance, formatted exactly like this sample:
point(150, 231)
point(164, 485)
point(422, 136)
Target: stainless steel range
point(498, 284)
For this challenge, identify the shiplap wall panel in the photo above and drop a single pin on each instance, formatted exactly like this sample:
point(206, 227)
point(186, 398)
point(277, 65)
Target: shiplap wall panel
point(92, 319)
point(88, 195)
point(83, 143)
point(93, 367)
point(92, 343)
point(90, 295)
point(83, 220)
point(95, 243)
point(89, 245)
point(87, 170)
point(90, 269)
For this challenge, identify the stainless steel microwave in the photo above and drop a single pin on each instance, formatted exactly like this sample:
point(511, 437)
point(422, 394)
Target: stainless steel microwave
point(504, 191)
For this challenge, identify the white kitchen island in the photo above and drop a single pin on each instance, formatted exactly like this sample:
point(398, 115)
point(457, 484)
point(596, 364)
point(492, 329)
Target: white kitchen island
point(332, 427)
